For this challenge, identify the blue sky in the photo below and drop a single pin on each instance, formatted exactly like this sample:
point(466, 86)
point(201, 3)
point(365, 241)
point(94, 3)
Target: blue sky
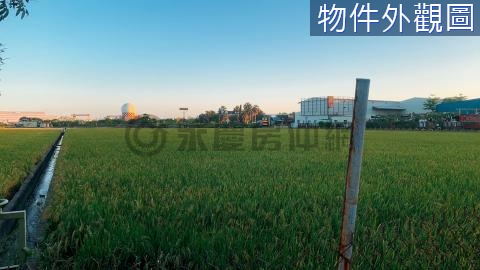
point(92, 56)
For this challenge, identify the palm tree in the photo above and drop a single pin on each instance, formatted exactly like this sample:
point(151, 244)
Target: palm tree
point(237, 109)
point(247, 113)
point(255, 112)
point(222, 110)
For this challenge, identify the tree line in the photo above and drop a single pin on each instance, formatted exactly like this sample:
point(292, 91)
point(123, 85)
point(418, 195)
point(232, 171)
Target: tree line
point(245, 114)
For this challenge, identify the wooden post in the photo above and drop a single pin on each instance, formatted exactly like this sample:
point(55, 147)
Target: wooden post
point(352, 186)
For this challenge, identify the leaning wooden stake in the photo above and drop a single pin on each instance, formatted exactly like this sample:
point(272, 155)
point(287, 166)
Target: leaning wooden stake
point(352, 186)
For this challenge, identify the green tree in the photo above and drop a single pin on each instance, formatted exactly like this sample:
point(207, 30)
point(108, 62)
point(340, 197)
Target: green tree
point(237, 109)
point(460, 97)
point(208, 116)
point(222, 110)
point(144, 121)
point(431, 103)
point(19, 6)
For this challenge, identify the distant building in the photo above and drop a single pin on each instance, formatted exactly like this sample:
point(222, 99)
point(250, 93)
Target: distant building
point(26, 122)
point(129, 111)
point(81, 117)
point(468, 112)
point(340, 109)
point(14, 117)
point(75, 117)
point(147, 115)
point(113, 117)
point(471, 106)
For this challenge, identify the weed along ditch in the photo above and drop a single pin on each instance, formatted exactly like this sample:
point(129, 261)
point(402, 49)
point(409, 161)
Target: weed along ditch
point(21, 223)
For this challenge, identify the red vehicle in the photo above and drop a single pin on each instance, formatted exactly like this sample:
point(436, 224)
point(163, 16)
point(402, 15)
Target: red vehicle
point(470, 121)
point(265, 121)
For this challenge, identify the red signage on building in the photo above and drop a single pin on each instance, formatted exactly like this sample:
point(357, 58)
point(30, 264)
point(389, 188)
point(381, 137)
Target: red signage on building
point(330, 101)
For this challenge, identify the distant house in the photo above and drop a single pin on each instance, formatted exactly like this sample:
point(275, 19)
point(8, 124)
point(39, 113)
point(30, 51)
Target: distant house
point(26, 122)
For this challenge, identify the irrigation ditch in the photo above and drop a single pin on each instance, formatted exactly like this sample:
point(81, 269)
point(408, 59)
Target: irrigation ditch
point(31, 198)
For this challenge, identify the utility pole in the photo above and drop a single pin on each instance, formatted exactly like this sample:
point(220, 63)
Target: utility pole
point(184, 110)
point(352, 186)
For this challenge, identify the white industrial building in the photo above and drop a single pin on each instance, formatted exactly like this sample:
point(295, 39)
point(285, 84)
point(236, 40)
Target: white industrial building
point(14, 117)
point(340, 109)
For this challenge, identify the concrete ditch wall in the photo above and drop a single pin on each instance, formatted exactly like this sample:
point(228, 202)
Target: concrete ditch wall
point(19, 200)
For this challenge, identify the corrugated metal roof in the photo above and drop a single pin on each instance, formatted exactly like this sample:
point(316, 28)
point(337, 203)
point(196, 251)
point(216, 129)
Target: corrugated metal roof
point(459, 105)
point(394, 108)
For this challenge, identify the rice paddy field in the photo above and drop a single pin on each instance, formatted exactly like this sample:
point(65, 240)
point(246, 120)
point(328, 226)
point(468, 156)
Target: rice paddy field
point(110, 208)
point(20, 149)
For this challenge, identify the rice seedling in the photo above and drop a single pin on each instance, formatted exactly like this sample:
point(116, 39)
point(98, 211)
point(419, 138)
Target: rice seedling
point(20, 149)
point(419, 203)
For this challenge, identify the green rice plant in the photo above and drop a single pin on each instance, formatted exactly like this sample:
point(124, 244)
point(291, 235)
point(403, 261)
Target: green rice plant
point(20, 150)
point(419, 203)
